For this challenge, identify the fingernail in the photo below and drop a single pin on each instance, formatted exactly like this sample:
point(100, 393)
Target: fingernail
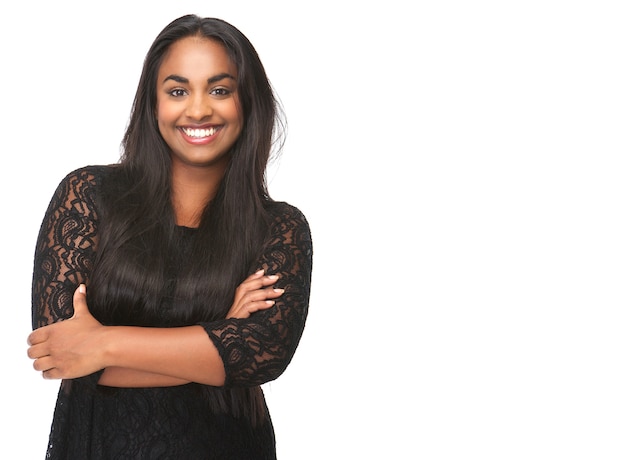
point(269, 302)
point(279, 290)
point(82, 289)
point(273, 277)
point(260, 272)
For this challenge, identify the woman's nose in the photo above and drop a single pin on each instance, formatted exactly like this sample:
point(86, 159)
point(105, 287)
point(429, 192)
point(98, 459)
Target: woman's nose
point(199, 107)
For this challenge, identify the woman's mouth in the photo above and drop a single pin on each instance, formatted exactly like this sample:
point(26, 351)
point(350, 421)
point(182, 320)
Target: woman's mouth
point(199, 135)
point(199, 132)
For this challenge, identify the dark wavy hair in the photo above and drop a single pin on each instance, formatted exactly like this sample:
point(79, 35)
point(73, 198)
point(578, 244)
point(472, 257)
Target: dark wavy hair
point(139, 240)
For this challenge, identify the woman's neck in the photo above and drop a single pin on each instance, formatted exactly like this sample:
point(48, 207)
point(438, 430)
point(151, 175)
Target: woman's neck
point(192, 189)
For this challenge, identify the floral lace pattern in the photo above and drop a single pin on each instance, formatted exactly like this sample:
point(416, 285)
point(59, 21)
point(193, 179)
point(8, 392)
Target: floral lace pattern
point(91, 421)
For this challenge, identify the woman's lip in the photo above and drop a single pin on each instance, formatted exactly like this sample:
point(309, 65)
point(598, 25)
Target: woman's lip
point(199, 136)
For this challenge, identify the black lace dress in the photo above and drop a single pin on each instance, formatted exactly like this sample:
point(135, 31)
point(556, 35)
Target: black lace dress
point(189, 422)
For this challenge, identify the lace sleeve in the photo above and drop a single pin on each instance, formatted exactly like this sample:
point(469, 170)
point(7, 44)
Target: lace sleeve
point(258, 349)
point(65, 248)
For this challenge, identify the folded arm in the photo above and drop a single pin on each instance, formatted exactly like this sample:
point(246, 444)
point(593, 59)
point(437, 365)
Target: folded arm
point(252, 345)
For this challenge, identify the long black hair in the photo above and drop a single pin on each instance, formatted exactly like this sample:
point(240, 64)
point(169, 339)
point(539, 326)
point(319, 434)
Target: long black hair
point(138, 235)
point(139, 276)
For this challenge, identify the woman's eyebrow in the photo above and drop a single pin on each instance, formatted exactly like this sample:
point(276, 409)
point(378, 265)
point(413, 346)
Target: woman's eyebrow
point(176, 78)
point(220, 76)
point(216, 78)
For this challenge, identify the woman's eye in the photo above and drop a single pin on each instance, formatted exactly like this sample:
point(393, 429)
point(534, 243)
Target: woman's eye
point(220, 92)
point(177, 92)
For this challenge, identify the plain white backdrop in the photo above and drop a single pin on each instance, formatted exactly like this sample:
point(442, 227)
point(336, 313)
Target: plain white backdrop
point(462, 167)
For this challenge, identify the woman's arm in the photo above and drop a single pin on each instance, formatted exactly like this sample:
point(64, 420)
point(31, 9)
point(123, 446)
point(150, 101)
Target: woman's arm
point(258, 349)
point(130, 378)
point(81, 346)
point(248, 299)
point(140, 356)
point(64, 255)
point(235, 351)
point(250, 296)
point(65, 248)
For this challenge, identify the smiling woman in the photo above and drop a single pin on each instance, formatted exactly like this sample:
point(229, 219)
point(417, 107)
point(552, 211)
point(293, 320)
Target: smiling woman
point(198, 108)
point(199, 116)
point(169, 287)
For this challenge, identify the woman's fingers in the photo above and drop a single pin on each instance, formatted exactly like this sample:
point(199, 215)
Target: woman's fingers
point(37, 336)
point(253, 283)
point(36, 351)
point(259, 299)
point(257, 281)
point(80, 301)
point(254, 294)
point(262, 294)
point(42, 364)
point(68, 349)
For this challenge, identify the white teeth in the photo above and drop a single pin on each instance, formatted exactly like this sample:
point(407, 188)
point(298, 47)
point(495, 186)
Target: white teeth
point(199, 132)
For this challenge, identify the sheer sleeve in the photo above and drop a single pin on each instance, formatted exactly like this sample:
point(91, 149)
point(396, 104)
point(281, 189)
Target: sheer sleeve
point(65, 248)
point(258, 349)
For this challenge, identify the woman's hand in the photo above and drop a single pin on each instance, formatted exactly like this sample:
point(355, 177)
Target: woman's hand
point(68, 349)
point(253, 294)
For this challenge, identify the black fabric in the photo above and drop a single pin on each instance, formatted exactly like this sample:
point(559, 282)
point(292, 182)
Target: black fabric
point(97, 422)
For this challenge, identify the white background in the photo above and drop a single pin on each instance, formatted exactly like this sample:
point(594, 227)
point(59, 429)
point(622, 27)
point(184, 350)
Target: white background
point(462, 168)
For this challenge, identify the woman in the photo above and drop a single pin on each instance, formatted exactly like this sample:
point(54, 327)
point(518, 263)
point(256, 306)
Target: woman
point(168, 287)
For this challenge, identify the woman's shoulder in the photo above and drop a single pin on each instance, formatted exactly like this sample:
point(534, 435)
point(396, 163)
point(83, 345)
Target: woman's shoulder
point(289, 222)
point(89, 173)
point(86, 180)
point(83, 183)
point(283, 211)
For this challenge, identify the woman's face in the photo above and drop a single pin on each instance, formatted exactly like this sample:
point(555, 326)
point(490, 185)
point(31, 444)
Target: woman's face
point(198, 109)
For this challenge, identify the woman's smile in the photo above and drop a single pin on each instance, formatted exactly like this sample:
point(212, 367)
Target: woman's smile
point(198, 108)
point(200, 136)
